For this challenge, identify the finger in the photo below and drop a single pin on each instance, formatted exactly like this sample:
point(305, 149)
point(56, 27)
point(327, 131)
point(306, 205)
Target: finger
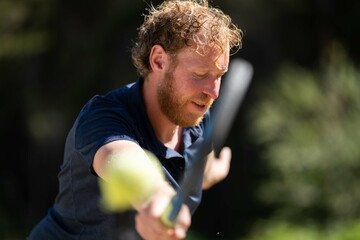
point(180, 232)
point(183, 222)
point(224, 160)
point(225, 154)
point(152, 229)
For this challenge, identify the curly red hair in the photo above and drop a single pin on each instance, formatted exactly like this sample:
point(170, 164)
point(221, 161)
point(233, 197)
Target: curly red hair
point(175, 24)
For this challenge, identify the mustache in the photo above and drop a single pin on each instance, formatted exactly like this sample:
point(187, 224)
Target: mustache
point(203, 100)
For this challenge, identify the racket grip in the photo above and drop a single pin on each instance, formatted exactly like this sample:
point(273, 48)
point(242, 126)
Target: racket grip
point(172, 210)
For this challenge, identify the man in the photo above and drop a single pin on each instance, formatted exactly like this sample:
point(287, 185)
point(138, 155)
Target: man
point(181, 53)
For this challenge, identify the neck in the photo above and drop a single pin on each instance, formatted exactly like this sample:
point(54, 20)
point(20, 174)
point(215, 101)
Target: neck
point(167, 132)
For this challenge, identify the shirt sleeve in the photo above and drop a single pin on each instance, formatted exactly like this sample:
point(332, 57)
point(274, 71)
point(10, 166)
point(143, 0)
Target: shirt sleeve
point(101, 121)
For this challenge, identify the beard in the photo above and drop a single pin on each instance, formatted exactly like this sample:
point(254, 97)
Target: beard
point(173, 104)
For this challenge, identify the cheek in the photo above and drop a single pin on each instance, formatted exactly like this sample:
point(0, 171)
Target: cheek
point(183, 86)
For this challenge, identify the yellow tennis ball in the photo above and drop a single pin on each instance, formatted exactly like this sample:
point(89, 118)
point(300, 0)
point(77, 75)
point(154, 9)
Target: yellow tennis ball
point(131, 178)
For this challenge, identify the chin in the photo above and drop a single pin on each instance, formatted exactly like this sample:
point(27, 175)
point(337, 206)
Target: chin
point(192, 123)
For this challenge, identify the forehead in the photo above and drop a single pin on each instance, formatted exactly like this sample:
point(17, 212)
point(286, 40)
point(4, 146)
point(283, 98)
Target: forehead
point(211, 60)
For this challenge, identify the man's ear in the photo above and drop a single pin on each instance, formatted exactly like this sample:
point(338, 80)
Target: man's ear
point(158, 58)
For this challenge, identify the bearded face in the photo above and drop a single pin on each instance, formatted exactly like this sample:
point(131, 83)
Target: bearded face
point(181, 108)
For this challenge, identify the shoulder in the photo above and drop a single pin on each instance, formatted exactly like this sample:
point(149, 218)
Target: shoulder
point(106, 116)
point(116, 102)
point(113, 99)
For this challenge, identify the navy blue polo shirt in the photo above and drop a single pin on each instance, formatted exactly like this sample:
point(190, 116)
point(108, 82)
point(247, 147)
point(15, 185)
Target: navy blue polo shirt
point(118, 115)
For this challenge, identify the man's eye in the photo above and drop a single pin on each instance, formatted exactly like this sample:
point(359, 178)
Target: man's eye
point(199, 76)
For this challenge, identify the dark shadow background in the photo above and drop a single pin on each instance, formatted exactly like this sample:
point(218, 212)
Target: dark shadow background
point(55, 55)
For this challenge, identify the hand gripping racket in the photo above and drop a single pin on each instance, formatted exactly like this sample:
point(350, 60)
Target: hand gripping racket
point(232, 94)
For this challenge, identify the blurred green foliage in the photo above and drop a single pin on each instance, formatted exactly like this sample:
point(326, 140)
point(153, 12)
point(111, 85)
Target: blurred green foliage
point(17, 39)
point(308, 122)
point(277, 230)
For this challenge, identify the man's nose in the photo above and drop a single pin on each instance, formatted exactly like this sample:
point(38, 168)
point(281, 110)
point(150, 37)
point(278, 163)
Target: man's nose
point(212, 88)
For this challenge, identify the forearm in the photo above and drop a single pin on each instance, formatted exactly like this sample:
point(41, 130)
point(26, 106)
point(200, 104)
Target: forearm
point(149, 209)
point(128, 173)
point(104, 155)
